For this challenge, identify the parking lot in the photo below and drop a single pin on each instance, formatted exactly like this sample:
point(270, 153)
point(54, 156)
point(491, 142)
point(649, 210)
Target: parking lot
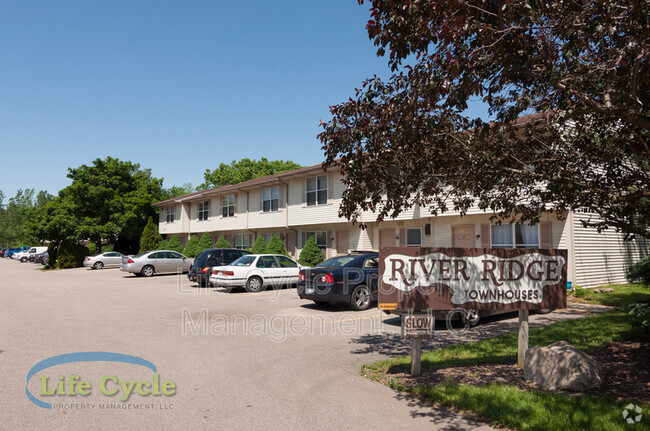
point(238, 360)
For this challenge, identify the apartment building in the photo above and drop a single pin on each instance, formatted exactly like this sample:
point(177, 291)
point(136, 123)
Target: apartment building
point(305, 202)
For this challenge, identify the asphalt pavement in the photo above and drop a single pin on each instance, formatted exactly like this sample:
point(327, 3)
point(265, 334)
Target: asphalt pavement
point(235, 360)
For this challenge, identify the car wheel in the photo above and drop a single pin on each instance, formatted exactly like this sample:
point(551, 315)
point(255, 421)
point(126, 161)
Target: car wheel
point(254, 284)
point(147, 271)
point(321, 303)
point(98, 265)
point(23, 259)
point(44, 262)
point(360, 299)
point(471, 317)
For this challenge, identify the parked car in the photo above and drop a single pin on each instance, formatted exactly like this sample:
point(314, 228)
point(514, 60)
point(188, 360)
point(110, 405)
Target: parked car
point(41, 258)
point(255, 272)
point(23, 256)
point(155, 262)
point(11, 251)
point(201, 269)
point(98, 261)
point(349, 279)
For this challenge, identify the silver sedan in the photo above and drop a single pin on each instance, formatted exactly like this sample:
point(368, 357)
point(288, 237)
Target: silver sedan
point(156, 262)
point(98, 261)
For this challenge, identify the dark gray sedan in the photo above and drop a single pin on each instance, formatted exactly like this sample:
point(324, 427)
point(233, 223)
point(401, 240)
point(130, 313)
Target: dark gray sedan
point(156, 262)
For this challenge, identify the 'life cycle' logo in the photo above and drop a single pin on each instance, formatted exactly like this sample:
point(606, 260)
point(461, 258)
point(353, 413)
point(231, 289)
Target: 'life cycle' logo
point(109, 385)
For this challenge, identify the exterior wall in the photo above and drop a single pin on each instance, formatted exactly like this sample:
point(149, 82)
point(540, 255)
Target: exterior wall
point(593, 259)
point(602, 258)
point(441, 229)
point(302, 214)
point(170, 228)
point(258, 219)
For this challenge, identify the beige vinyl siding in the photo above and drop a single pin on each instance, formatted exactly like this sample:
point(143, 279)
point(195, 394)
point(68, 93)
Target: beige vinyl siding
point(258, 219)
point(301, 214)
point(170, 228)
point(602, 258)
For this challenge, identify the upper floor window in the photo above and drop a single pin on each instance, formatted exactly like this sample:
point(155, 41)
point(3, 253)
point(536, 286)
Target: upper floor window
point(228, 206)
point(170, 214)
point(204, 208)
point(413, 237)
point(514, 236)
point(316, 190)
point(271, 199)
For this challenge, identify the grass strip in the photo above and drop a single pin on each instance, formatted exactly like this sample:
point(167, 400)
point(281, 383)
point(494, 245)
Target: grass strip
point(510, 406)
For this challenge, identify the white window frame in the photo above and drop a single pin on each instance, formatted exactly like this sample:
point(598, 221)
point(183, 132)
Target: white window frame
point(406, 240)
point(228, 204)
point(315, 233)
point(171, 212)
point(242, 241)
point(513, 237)
point(203, 210)
point(271, 199)
point(316, 191)
point(267, 236)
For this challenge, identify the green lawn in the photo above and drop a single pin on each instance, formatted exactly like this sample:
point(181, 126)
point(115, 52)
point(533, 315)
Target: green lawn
point(534, 410)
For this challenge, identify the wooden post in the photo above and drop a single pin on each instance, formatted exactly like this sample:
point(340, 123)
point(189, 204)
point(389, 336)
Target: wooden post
point(416, 355)
point(523, 338)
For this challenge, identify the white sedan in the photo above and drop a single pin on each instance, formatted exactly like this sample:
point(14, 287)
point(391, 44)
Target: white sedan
point(256, 271)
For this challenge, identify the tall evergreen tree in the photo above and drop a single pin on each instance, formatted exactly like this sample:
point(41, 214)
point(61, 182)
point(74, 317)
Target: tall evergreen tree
point(191, 247)
point(164, 245)
point(276, 246)
point(175, 244)
point(150, 239)
point(204, 243)
point(310, 254)
point(222, 243)
point(260, 246)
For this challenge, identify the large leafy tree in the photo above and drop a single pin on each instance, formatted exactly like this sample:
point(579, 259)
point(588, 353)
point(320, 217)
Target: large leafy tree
point(579, 67)
point(109, 200)
point(16, 217)
point(244, 170)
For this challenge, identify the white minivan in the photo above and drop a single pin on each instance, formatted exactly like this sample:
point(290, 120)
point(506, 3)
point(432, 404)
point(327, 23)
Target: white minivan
point(23, 256)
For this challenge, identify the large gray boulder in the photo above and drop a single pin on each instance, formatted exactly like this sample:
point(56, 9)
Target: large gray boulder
point(560, 366)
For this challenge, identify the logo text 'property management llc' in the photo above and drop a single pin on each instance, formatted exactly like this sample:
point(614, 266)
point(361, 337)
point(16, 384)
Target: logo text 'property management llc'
point(108, 385)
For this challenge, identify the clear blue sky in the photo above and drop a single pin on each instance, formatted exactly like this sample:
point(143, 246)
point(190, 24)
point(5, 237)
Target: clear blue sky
point(177, 86)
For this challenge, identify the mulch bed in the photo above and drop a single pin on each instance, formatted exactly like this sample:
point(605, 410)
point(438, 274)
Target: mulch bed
point(625, 370)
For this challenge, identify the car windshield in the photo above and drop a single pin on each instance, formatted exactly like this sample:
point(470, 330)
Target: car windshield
point(337, 262)
point(141, 254)
point(244, 261)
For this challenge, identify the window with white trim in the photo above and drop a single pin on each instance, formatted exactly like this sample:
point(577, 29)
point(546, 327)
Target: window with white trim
point(320, 236)
point(514, 236)
point(170, 214)
point(316, 190)
point(204, 210)
point(271, 199)
point(228, 206)
point(242, 241)
point(413, 237)
point(267, 236)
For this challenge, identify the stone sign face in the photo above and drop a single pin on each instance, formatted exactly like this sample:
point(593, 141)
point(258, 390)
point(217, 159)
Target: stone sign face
point(412, 278)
